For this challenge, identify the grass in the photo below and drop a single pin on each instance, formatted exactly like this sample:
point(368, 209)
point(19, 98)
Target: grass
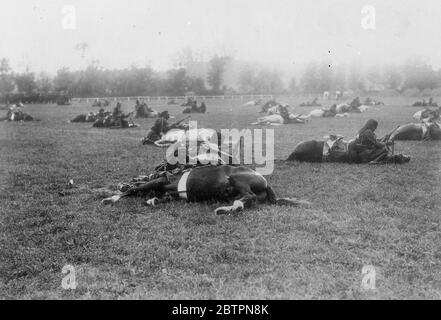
point(385, 216)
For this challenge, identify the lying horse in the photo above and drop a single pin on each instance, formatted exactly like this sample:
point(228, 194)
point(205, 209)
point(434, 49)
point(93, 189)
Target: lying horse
point(101, 103)
point(178, 135)
point(190, 101)
point(325, 113)
point(222, 183)
point(268, 105)
point(424, 103)
point(110, 122)
point(427, 113)
point(195, 109)
point(346, 108)
point(18, 116)
point(90, 117)
point(277, 119)
point(149, 113)
point(279, 114)
point(313, 103)
point(415, 131)
point(372, 102)
point(253, 103)
point(335, 149)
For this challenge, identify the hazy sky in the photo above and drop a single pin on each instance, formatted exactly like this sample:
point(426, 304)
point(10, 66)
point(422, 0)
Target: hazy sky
point(282, 32)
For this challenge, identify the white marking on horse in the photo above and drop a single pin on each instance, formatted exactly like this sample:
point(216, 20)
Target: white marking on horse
point(237, 205)
point(182, 185)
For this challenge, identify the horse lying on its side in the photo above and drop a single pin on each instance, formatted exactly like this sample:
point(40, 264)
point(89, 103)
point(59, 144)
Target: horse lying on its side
point(277, 119)
point(90, 117)
point(277, 115)
point(313, 103)
point(142, 110)
point(432, 114)
point(253, 102)
point(18, 116)
point(101, 103)
point(268, 105)
point(177, 135)
point(415, 131)
point(335, 149)
point(223, 183)
point(109, 122)
point(347, 108)
point(195, 109)
point(425, 103)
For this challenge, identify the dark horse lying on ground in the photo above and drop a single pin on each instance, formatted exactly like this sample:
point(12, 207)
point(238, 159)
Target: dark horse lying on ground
point(312, 151)
point(223, 183)
point(195, 109)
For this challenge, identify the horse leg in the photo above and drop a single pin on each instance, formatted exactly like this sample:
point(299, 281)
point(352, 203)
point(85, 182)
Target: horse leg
point(246, 199)
point(272, 199)
point(151, 185)
point(153, 202)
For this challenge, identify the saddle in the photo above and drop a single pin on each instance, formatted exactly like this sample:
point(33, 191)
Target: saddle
point(335, 148)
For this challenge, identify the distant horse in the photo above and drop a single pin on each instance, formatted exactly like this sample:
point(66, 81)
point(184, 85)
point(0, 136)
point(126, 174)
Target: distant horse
point(427, 113)
point(101, 103)
point(90, 117)
point(178, 135)
point(277, 119)
point(313, 103)
point(110, 122)
point(371, 102)
point(240, 184)
point(195, 109)
point(253, 103)
point(415, 131)
point(18, 115)
point(425, 103)
point(141, 112)
point(347, 152)
point(268, 105)
point(325, 113)
point(347, 108)
point(279, 114)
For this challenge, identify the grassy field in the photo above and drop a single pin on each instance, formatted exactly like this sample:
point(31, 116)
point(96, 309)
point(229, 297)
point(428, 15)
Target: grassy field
point(384, 216)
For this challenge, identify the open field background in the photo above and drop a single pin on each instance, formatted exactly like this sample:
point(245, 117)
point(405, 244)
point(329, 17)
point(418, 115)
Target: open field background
point(385, 216)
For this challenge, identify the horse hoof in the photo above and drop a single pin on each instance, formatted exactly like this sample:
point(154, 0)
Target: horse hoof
point(221, 211)
point(152, 202)
point(123, 187)
point(110, 200)
point(106, 201)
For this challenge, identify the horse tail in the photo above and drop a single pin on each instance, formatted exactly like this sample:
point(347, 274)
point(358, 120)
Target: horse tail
point(272, 198)
point(271, 195)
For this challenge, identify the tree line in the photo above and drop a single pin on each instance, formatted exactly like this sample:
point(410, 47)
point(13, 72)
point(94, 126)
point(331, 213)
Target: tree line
point(220, 75)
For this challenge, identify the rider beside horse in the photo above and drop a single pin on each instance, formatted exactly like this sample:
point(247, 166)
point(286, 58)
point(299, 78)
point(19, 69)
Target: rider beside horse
point(365, 148)
point(368, 148)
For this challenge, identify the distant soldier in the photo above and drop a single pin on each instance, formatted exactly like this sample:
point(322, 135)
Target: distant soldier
point(100, 114)
point(159, 127)
point(355, 103)
point(194, 106)
point(203, 107)
point(119, 118)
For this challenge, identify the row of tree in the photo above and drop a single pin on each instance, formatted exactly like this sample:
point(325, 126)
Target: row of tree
point(217, 76)
point(414, 74)
point(96, 81)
